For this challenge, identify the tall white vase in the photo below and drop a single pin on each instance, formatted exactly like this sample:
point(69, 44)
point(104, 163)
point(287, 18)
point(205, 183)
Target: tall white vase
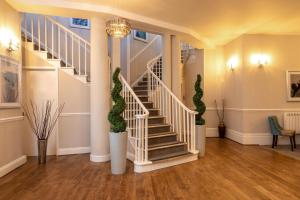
point(118, 151)
point(201, 139)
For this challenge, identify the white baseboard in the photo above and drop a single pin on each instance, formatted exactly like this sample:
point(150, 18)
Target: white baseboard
point(235, 136)
point(256, 138)
point(12, 165)
point(212, 132)
point(96, 158)
point(75, 150)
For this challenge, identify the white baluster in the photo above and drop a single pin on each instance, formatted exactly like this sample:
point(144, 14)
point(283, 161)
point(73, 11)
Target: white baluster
point(52, 39)
point(85, 72)
point(45, 28)
point(72, 47)
point(66, 48)
point(32, 29)
point(58, 45)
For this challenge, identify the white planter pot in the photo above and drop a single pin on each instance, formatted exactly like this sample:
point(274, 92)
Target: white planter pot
point(118, 151)
point(201, 139)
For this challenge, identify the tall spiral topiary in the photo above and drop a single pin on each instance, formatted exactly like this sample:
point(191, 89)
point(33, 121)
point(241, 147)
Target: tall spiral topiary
point(115, 118)
point(200, 106)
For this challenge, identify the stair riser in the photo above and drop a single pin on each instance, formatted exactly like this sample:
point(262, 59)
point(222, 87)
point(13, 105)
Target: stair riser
point(168, 150)
point(144, 98)
point(154, 121)
point(142, 83)
point(147, 105)
point(141, 92)
point(159, 140)
point(140, 88)
point(153, 112)
point(159, 129)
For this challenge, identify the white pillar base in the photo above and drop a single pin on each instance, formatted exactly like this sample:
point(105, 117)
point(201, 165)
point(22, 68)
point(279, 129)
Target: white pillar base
point(96, 158)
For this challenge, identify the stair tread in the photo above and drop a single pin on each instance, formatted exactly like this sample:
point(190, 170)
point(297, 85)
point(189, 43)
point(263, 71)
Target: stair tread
point(162, 134)
point(169, 155)
point(151, 117)
point(164, 145)
point(158, 125)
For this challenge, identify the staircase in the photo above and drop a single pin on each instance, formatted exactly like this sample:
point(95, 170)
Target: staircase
point(162, 141)
point(161, 129)
point(56, 44)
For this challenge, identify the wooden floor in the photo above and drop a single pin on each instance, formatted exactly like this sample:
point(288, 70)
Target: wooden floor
point(228, 171)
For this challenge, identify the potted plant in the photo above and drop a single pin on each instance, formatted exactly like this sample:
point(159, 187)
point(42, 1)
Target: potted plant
point(221, 126)
point(200, 122)
point(117, 135)
point(42, 121)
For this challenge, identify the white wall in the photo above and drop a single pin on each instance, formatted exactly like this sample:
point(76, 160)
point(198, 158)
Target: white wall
point(11, 131)
point(74, 124)
point(139, 61)
point(255, 93)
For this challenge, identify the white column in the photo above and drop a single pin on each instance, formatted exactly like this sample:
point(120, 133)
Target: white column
point(166, 56)
point(100, 92)
point(115, 53)
point(176, 66)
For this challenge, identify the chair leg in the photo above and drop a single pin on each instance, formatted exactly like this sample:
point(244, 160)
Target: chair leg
point(292, 143)
point(273, 142)
point(276, 140)
point(295, 141)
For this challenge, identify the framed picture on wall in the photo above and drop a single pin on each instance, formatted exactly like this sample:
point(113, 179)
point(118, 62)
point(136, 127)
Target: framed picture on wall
point(10, 82)
point(293, 85)
point(140, 35)
point(80, 23)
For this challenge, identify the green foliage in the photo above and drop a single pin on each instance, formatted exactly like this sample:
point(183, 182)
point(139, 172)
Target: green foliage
point(117, 122)
point(200, 106)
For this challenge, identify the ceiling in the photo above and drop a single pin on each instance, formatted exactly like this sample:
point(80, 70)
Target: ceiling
point(216, 21)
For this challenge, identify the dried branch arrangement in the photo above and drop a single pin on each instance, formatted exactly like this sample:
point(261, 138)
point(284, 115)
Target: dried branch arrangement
point(41, 119)
point(221, 114)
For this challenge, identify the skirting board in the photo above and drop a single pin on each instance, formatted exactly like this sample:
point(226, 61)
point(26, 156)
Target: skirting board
point(96, 158)
point(256, 138)
point(12, 165)
point(75, 150)
point(249, 138)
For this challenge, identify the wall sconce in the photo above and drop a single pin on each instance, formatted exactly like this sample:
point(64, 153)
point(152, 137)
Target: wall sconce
point(260, 60)
point(13, 45)
point(233, 62)
point(8, 40)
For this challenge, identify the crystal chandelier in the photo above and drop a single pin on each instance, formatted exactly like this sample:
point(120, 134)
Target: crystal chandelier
point(118, 27)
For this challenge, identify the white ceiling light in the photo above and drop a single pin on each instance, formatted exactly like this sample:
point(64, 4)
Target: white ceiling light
point(118, 27)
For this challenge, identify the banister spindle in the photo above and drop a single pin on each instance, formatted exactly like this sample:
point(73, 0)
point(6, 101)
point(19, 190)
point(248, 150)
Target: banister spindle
point(52, 39)
point(58, 43)
point(45, 28)
point(79, 60)
point(32, 29)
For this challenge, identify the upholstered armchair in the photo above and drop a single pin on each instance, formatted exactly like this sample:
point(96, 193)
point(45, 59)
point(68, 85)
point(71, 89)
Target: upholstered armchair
point(277, 130)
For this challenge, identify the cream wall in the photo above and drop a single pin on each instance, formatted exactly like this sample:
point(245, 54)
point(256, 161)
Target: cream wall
point(213, 81)
point(74, 124)
point(138, 60)
point(253, 93)
point(11, 132)
point(194, 66)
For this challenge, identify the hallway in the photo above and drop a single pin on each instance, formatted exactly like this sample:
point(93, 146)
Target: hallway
point(228, 171)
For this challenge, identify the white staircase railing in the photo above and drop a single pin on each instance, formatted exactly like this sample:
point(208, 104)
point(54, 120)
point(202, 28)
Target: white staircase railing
point(49, 35)
point(180, 117)
point(137, 122)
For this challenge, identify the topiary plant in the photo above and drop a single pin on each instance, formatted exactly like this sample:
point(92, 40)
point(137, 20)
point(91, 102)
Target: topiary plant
point(200, 106)
point(115, 118)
